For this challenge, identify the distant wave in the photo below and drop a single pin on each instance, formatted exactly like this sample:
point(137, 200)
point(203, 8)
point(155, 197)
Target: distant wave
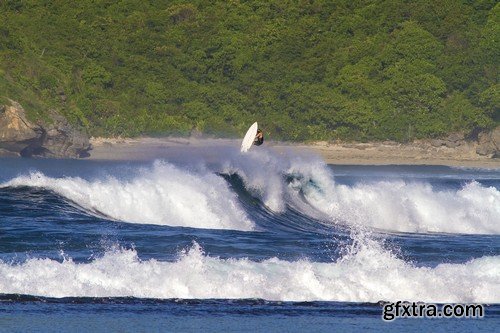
point(162, 194)
point(368, 274)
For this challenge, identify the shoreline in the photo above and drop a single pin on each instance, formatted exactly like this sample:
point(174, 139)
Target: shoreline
point(375, 153)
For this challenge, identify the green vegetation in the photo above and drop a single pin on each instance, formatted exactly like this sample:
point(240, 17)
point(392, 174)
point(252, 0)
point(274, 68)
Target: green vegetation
point(306, 70)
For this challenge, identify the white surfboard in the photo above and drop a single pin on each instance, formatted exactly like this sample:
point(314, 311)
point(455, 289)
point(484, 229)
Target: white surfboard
point(249, 138)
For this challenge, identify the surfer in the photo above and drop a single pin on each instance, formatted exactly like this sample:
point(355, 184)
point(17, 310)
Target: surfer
point(259, 138)
point(253, 136)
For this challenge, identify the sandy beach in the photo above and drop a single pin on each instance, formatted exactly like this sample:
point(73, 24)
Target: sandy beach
point(417, 153)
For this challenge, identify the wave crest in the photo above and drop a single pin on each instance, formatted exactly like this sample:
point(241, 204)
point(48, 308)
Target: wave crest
point(163, 194)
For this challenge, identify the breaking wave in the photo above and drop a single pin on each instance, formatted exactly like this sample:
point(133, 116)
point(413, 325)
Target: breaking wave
point(367, 274)
point(309, 186)
point(168, 195)
point(162, 194)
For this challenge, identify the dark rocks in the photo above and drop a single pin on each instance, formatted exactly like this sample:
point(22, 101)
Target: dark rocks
point(454, 140)
point(62, 139)
point(485, 150)
point(57, 139)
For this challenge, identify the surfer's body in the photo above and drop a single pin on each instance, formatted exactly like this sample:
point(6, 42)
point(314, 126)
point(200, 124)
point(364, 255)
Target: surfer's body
point(259, 138)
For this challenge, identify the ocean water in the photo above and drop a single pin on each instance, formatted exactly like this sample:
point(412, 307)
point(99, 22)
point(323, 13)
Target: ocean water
point(214, 240)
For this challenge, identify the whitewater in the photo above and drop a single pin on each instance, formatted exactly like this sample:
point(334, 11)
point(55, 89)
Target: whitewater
point(369, 275)
point(268, 226)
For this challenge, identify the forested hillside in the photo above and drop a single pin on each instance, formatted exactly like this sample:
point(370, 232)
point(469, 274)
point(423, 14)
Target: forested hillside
point(306, 70)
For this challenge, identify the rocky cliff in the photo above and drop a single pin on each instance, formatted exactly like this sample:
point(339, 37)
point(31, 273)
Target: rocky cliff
point(489, 143)
point(57, 138)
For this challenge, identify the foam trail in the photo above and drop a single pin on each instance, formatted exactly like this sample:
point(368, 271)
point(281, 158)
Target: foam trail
point(162, 195)
point(370, 274)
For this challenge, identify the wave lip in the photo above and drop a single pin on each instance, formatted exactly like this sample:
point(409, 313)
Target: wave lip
point(370, 274)
point(163, 195)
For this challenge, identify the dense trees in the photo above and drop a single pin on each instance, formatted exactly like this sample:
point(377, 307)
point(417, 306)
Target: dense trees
point(306, 70)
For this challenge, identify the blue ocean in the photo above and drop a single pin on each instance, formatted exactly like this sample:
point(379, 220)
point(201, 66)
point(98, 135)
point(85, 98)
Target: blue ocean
point(214, 240)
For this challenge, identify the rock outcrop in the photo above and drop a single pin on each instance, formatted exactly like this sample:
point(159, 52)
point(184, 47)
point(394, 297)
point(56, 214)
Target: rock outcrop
point(19, 136)
point(451, 141)
point(489, 143)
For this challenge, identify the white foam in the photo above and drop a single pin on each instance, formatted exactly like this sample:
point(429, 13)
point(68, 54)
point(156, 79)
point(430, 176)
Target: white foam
point(412, 207)
point(394, 205)
point(163, 195)
point(369, 274)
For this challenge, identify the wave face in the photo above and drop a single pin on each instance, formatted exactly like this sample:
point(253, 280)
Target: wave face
point(309, 186)
point(368, 274)
point(162, 194)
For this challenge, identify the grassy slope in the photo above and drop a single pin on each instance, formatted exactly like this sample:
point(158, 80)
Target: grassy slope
point(306, 70)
